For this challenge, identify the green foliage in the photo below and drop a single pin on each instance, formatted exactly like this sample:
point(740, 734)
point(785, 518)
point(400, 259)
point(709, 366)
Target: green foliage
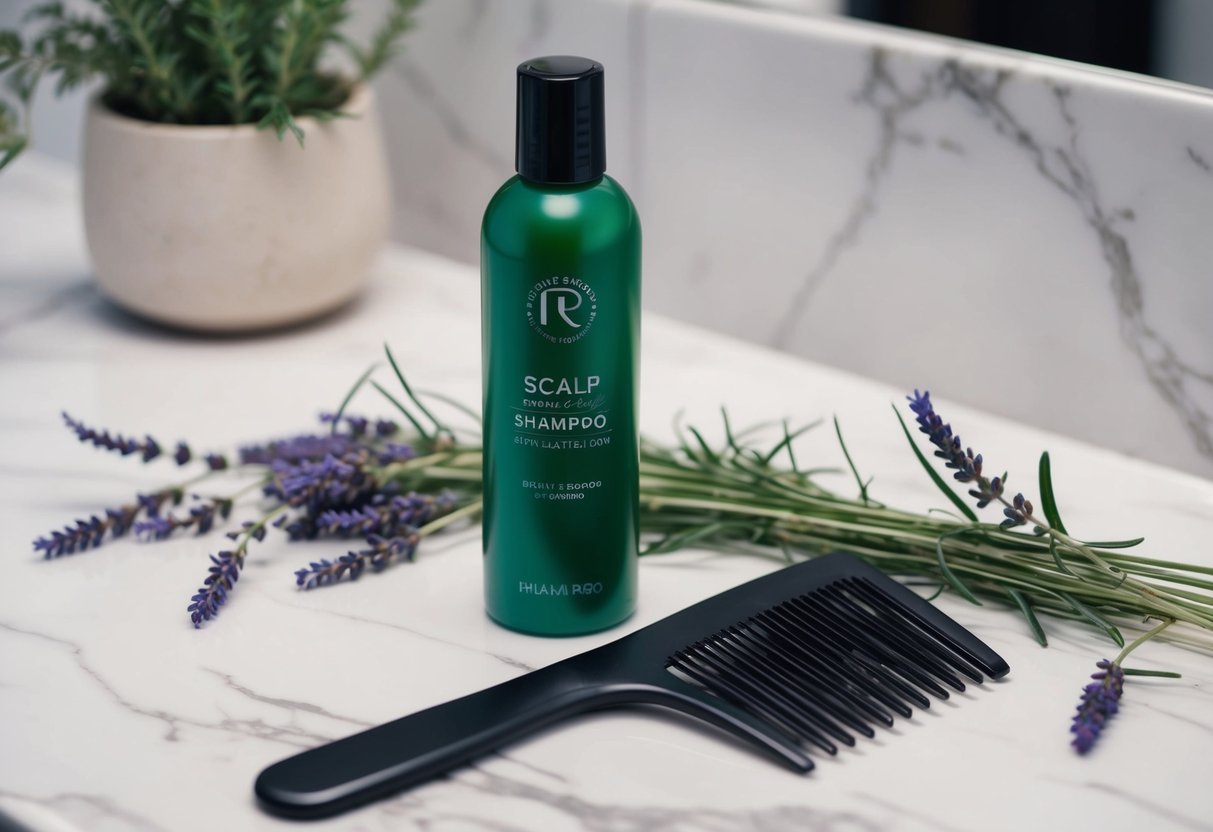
point(263, 62)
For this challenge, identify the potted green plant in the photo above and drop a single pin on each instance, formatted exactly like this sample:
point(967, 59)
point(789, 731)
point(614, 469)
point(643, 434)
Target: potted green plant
point(234, 176)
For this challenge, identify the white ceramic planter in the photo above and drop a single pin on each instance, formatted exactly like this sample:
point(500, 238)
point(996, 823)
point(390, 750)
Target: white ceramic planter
point(228, 228)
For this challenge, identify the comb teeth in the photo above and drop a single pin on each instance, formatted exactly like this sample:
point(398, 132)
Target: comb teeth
point(832, 663)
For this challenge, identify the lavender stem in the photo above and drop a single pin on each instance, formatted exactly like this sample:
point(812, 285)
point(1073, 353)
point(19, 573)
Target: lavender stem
point(1142, 639)
point(445, 520)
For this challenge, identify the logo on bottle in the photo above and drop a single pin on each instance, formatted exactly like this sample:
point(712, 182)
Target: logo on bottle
point(561, 309)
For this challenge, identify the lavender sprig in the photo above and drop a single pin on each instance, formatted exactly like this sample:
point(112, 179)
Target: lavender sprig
point(293, 450)
point(1100, 699)
point(1099, 703)
point(1020, 511)
point(330, 483)
point(361, 433)
point(147, 448)
point(966, 465)
point(360, 425)
point(394, 452)
point(201, 518)
point(225, 571)
point(392, 527)
point(90, 532)
point(221, 578)
point(387, 516)
point(381, 552)
point(364, 443)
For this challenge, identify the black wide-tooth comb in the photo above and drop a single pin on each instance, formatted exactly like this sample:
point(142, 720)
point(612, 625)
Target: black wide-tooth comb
point(810, 655)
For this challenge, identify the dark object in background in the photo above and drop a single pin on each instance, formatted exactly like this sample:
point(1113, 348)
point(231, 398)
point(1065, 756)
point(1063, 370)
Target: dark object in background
point(1118, 35)
point(805, 655)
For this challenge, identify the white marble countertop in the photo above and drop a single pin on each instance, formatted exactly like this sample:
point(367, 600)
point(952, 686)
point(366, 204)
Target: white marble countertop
point(115, 714)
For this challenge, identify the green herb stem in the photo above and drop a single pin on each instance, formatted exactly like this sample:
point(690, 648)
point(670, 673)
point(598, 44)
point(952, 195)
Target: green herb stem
point(1140, 640)
point(472, 509)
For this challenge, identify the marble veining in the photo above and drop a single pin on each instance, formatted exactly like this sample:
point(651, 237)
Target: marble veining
point(1199, 160)
point(1185, 386)
point(607, 817)
point(450, 117)
point(506, 660)
point(174, 723)
point(1154, 807)
point(96, 810)
point(288, 704)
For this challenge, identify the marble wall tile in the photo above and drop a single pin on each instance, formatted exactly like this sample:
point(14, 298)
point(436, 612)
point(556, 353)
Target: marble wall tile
point(449, 104)
point(1022, 234)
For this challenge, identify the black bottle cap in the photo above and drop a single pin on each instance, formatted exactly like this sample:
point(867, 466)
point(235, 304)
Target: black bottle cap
point(561, 140)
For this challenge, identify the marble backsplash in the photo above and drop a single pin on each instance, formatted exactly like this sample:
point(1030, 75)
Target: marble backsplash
point(1026, 235)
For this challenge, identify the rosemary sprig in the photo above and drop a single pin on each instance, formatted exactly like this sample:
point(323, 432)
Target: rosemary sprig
point(263, 62)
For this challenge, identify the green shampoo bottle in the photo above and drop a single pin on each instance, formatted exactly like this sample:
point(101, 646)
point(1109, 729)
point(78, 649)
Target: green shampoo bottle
point(560, 310)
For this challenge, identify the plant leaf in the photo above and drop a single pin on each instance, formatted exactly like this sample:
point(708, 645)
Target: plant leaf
point(935, 478)
point(452, 402)
point(678, 540)
point(350, 395)
point(786, 442)
point(1061, 564)
point(404, 410)
point(1115, 544)
point(1165, 674)
point(728, 432)
point(1048, 503)
point(1025, 606)
point(409, 392)
point(1095, 618)
point(707, 450)
point(948, 574)
point(863, 486)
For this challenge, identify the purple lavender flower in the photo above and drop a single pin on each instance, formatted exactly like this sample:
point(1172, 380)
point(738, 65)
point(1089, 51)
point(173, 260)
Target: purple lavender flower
point(966, 465)
point(382, 551)
point(1099, 703)
point(151, 504)
point(386, 516)
point(297, 449)
point(89, 533)
point(201, 518)
point(316, 446)
point(148, 448)
point(317, 486)
point(394, 452)
point(297, 526)
point(221, 577)
point(359, 426)
point(1018, 512)
point(250, 530)
point(301, 527)
point(223, 573)
point(76, 537)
